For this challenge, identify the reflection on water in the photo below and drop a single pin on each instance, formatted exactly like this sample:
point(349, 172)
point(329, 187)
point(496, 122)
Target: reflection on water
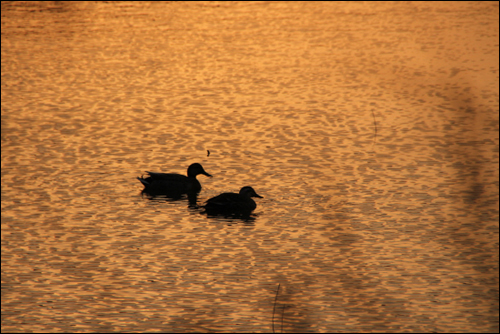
point(393, 233)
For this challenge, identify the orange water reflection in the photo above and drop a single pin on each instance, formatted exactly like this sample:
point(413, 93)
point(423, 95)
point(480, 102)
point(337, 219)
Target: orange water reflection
point(371, 130)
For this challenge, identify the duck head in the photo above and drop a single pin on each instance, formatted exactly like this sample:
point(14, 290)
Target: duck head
point(196, 169)
point(249, 192)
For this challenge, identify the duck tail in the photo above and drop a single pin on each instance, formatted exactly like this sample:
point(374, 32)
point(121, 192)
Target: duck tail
point(143, 181)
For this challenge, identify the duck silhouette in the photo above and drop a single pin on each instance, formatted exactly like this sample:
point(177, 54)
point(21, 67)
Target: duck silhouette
point(173, 185)
point(232, 203)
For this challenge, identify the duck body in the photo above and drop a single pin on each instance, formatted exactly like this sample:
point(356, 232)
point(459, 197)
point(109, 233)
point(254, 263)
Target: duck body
point(233, 203)
point(173, 185)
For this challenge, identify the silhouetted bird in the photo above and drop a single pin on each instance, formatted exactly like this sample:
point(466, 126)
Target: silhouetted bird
point(173, 185)
point(232, 203)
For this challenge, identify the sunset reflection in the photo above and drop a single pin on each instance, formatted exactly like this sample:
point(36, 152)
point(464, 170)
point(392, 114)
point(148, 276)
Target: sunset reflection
point(369, 129)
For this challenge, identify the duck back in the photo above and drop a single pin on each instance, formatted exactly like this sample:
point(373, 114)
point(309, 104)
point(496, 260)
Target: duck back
point(230, 202)
point(169, 184)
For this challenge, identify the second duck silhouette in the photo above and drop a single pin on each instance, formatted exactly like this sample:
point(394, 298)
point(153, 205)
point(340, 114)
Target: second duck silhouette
point(174, 185)
point(232, 203)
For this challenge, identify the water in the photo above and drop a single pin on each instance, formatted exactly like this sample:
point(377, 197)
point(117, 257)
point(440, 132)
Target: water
point(371, 130)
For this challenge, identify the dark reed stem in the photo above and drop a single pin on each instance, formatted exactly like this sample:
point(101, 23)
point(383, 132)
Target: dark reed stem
point(282, 316)
point(375, 123)
point(274, 308)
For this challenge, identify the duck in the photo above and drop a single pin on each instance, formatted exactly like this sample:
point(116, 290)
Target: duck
point(174, 185)
point(233, 203)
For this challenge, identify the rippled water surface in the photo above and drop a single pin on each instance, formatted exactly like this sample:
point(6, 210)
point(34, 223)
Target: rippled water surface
point(371, 130)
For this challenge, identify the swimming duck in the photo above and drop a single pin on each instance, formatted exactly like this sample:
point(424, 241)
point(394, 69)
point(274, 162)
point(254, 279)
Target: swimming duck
point(174, 185)
point(241, 203)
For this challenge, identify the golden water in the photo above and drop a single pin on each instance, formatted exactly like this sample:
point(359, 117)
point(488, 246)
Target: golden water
point(371, 130)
